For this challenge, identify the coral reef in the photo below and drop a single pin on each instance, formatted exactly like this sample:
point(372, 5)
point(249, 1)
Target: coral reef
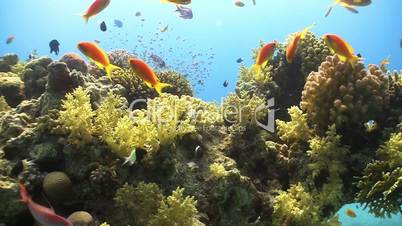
point(74, 62)
point(73, 135)
point(57, 187)
point(11, 88)
point(77, 116)
point(381, 185)
point(7, 62)
point(137, 89)
point(35, 77)
point(176, 210)
point(338, 95)
point(141, 202)
point(81, 218)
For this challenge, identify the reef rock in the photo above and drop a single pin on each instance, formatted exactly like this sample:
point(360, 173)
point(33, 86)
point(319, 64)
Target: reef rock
point(12, 88)
point(7, 61)
point(35, 77)
point(75, 62)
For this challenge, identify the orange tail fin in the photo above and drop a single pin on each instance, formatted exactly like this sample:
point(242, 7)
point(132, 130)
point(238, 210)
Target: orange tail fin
point(25, 197)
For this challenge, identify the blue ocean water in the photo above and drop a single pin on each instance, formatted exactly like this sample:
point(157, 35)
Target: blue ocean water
point(207, 46)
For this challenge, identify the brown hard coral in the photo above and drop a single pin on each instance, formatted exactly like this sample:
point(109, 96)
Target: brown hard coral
point(81, 218)
point(57, 187)
point(75, 62)
point(340, 95)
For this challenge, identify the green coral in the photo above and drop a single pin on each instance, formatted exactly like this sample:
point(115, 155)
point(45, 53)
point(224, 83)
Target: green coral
point(295, 130)
point(77, 116)
point(381, 184)
point(327, 157)
point(338, 94)
point(141, 202)
point(176, 210)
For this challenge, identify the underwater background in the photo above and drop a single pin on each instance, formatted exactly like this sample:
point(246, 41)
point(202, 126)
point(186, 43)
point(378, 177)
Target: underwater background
point(206, 48)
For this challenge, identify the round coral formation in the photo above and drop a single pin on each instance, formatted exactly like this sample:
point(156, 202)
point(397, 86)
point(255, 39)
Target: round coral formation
point(338, 94)
point(57, 187)
point(75, 62)
point(81, 218)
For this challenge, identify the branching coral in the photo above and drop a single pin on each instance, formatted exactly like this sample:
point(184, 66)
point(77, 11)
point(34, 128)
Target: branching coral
point(297, 129)
point(217, 170)
point(338, 94)
point(77, 116)
point(295, 207)
point(283, 80)
point(141, 202)
point(176, 210)
point(327, 157)
point(166, 119)
point(381, 184)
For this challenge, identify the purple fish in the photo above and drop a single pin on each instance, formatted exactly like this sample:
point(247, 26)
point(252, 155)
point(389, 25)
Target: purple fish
point(185, 13)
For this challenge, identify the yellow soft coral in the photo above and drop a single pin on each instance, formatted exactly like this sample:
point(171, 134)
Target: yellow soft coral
point(77, 116)
point(217, 170)
point(295, 207)
point(297, 129)
point(177, 210)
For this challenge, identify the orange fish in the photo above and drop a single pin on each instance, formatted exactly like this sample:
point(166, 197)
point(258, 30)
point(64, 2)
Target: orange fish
point(98, 56)
point(341, 48)
point(292, 46)
point(351, 213)
point(95, 8)
point(147, 74)
point(265, 54)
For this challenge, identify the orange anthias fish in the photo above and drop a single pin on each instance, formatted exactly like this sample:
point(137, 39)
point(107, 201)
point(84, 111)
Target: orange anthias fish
point(42, 214)
point(265, 54)
point(95, 8)
point(339, 46)
point(98, 56)
point(349, 5)
point(292, 46)
point(147, 74)
point(179, 2)
point(351, 213)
